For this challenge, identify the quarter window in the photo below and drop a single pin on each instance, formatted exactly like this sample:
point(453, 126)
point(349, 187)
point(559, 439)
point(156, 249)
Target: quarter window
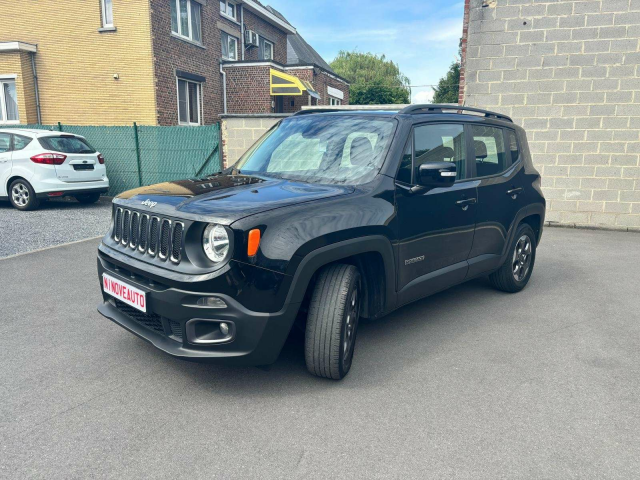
point(107, 13)
point(8, 102)
point(441, 143)
point(189, 94)
point(5, 142)
point(404, 174)
point(490, 155)
point(228, 9)
point(20, 142)
point(186, 19)
point(513, 146)
point(229, 47)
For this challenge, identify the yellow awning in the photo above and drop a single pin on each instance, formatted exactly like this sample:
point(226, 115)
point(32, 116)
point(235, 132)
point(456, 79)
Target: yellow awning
point(282, 84)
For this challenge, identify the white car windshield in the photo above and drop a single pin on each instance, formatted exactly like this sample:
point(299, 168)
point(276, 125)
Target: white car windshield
point(336, 149)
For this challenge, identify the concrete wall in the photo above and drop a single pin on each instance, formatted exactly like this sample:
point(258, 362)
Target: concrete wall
point(239, 132)
point(568, 72)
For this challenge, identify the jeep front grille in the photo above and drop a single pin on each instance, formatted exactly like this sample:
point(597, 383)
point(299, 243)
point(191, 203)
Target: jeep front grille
point(149, 235)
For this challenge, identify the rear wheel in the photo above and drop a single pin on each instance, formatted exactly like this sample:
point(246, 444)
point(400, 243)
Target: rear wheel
point(88, 197)
point(516, 271)
point(332, 323)
point(22, 195)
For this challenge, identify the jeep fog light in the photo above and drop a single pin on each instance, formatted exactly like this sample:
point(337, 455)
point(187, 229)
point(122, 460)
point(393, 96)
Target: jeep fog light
point(224, 329)
point(215, 242)
point(211, 302)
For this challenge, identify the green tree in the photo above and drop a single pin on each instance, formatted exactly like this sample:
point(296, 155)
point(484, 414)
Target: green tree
point(448, 86)
point(374, 79)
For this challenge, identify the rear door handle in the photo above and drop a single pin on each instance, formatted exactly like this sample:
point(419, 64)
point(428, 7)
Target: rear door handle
point(464, 204)
point(514, 192)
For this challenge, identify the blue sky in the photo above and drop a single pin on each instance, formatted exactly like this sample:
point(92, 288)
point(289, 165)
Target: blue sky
point(422, 36)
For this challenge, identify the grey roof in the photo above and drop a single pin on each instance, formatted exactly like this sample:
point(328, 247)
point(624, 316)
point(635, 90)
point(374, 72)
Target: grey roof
point(275, 12)
point(299, 52)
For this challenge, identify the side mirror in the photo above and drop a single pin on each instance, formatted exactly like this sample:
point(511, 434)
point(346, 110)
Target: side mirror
point(437, 174)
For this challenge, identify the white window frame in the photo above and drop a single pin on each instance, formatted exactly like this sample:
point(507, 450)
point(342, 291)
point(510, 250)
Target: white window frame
point(334, 102)
point(3, 107)
point(272, 49)
point(226, 7)
point(180, 33)
point(103, 5)
point(199, 91)
point(222, 33)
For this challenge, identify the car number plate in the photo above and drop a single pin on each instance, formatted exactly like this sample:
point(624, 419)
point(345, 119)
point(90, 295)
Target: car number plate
point(124, 292)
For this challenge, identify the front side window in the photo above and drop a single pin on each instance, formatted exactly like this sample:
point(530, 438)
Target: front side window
point(188, 102)
point(266, 49)
point(229, 47)
point(186, 19)
point(107, 13)
point(228, 8)
point(8, 102)
point(440, 143)
point(336, 150)
point(488, 144)
point(5, 142)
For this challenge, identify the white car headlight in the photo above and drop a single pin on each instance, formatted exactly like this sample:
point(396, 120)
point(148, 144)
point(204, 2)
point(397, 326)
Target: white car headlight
point(215, 242)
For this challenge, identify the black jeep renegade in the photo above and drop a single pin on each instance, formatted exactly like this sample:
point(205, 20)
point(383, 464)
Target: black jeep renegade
point(330, 217)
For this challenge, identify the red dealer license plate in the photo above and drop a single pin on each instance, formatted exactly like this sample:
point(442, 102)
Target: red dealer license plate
point(125, 293)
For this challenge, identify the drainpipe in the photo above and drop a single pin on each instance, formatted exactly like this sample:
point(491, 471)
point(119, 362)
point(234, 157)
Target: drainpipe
point(35, 87)
point(242, 27)
point(224, 88)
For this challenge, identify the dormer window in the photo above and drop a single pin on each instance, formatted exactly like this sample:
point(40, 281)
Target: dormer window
point(228, 9)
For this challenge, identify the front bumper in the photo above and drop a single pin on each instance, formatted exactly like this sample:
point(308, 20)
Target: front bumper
point(258, 337)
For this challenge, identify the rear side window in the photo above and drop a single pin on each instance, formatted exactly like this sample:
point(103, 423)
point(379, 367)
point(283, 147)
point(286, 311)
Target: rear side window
point(488, 143)
point(20, 142)
point(66, 144)
point(441, 143)
point(513, 146)
point(5, 142)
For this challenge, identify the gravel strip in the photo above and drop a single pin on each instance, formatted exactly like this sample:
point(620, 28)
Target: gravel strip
point(56, 222)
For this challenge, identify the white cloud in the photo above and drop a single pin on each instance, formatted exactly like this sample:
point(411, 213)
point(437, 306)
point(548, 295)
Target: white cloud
point(425, 96)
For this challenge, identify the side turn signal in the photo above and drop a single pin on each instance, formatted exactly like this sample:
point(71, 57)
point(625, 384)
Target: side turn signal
point(254, 242)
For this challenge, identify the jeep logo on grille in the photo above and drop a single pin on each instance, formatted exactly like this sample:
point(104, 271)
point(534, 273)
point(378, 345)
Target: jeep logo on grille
point(149, 203)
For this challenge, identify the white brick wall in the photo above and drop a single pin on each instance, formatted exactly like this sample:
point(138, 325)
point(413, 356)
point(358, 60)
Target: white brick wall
point(239, 132)
point(569, 72)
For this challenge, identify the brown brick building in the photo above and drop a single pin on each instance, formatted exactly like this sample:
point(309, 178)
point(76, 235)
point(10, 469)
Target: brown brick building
point(155, 62)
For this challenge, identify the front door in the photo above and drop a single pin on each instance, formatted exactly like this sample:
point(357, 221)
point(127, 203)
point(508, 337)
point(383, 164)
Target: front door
point(501, 193)
point(435, 227)
point(5, 162)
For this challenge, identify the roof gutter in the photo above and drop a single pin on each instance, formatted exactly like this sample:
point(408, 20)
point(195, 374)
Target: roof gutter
point(268, 16)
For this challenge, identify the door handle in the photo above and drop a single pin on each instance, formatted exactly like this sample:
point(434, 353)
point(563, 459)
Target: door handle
point(514, 192)
point(464, 204)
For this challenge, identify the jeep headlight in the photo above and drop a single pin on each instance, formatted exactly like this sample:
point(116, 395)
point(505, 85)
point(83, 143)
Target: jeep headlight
point(215, 242)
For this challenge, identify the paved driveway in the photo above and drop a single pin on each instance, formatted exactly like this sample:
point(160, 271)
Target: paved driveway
point(55, 222)
point(470, 383)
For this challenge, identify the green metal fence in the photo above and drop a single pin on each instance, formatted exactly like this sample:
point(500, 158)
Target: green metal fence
point(144, 155)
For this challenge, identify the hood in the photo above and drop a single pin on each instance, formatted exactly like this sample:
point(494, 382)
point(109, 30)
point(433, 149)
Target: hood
point(225, 198)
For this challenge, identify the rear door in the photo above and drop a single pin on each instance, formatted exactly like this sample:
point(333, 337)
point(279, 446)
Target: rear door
point(5, 162)
point(501, 192)
point(81, 161)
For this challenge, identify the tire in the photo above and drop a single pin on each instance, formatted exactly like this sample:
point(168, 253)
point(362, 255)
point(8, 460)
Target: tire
point(332, 322)
point(509, 278)
point(22, 196)
point(88, 198)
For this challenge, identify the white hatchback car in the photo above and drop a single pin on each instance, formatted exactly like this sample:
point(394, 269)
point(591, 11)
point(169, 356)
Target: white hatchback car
point(40, 164)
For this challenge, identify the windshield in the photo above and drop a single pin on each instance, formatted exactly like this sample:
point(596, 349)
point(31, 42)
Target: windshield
point(66, 144)
point(331, 149)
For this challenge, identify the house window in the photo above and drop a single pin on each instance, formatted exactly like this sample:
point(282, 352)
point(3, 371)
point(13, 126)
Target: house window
point(266, 49)
point(8, 102)
point(189, 94)
point(228, 9)
point(186, 19)
point(229, 47)
point(334, 101)
point(107, 13)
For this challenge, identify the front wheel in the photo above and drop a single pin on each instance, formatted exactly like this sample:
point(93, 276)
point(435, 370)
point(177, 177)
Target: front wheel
point(22, 195)
point(516, 271)
point(332, 322)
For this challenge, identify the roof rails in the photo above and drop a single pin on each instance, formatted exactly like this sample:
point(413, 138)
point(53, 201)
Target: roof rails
point(317, 110)
point(435, 108)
